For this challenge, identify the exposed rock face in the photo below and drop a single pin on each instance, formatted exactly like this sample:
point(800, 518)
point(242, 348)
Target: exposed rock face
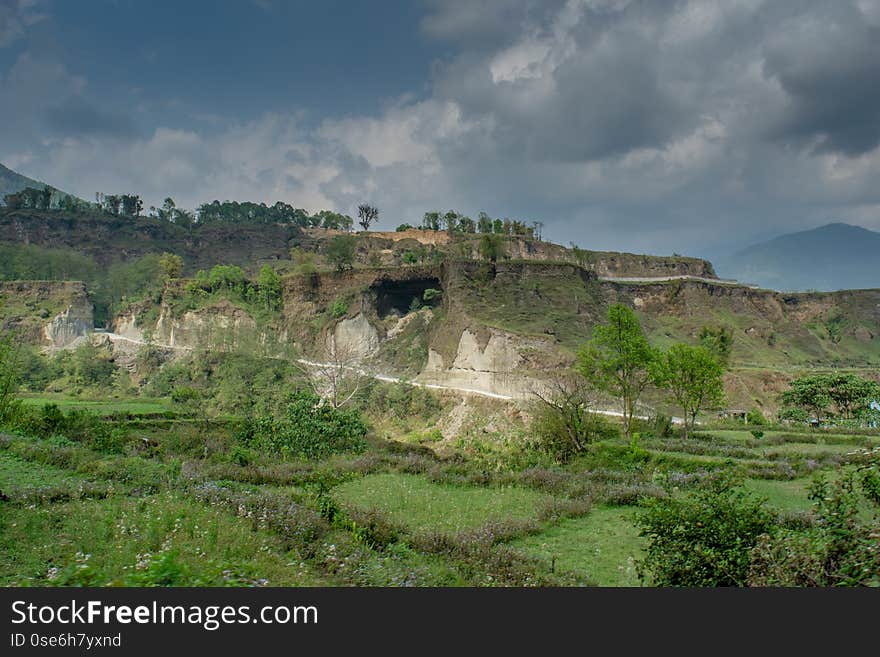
point(355, 337)
point(126, 326)
point(69, 326)
point(221, 325)
point(500, 366)
point(499, 354)
point(52, 314)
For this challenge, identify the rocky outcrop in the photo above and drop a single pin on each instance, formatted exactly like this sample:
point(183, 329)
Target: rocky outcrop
point(500, 364)
point(355, 338)
point(126, 325)
point(51, 314)
point(221, 325)
point(69, 327)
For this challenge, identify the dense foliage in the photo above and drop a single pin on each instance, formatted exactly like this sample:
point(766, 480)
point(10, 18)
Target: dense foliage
point(843, 395)
point(703, 538)
point(307, 429)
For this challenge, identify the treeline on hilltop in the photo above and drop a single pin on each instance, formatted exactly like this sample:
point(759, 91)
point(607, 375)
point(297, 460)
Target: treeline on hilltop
point(132, 206)
point(240, 212)
point(454, 222)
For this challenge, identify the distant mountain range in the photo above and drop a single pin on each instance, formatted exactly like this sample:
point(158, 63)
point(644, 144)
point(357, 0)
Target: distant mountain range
point(836, 256)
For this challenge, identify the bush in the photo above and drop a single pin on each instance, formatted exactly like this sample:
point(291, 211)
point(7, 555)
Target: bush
point(307, 429)
point(339, 308)
point(839, 548)
point(756, 418)
point(757, 433)
point(703, 538)
point(566, 430)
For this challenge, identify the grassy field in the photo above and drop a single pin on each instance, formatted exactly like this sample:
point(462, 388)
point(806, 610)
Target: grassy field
point(782, 495)
point(18, 475)
point(180, 503)
point(418, 504)
point(157, 540)
point(603, 545)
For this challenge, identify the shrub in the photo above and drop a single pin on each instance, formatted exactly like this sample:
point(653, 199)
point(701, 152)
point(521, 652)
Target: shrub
point(756, 418)
point(839, 548)
point(339, 308)
point(757, 433)
point(703, 538)
point(307, 429)
point(563, 431)
point(431, 295)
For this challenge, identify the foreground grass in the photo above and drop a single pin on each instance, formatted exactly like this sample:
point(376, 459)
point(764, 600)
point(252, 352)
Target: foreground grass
point(157, 540)
point(17, 475)
point(418, 504)
point(782, 495)
point(603, 545)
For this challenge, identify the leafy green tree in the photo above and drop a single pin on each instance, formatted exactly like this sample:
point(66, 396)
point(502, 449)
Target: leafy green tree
point(340, 251)
point(171, 264)
point(431, 221)
point(693, 377)
point(704, 537)
point(269, 288)
point(111, 203)
point(810, 393)
point(10, 350)
point(410, 258)
point(403, 227)
point(492, 247)
point(484, 223)
point(618, 360)
point(132, 205)
point(719, 341)
point(450, 219)
point(852, 394)
point(467, 225)
point(230, 277)
point(91, 366)
point(307, 429)
point(367, 215)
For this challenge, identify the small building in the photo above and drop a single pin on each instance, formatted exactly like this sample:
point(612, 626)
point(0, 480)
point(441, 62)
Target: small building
point(734, 414)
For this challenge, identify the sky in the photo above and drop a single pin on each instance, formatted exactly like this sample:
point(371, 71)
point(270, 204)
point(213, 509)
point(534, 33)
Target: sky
point(692, 127)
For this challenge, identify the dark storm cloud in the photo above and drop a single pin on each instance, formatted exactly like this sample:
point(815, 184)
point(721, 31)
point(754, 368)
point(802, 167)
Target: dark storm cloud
point(829, 65)
point(76, 117)
point(628, 124)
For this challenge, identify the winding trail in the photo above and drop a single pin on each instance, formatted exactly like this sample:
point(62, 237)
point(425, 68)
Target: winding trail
point(677, 277)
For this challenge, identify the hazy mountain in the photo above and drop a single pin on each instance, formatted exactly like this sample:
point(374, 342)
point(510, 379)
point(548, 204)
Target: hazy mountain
point(12, 181)
point(837, 256)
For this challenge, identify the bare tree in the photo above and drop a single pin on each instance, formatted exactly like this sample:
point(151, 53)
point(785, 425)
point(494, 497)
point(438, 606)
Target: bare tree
point(565, 397)
point(338, 376)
